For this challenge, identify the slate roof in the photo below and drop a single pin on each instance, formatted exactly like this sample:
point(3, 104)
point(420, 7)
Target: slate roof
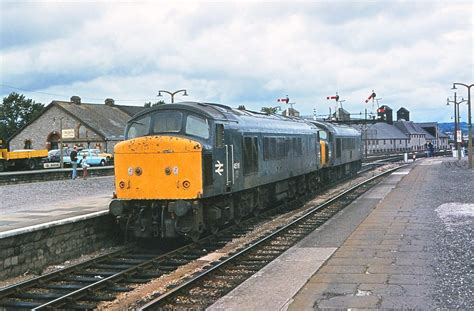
point(425, 125)
point(428, 135)
point(409, 127)
point(107, 121)
point(130, 110)
point(382, 130)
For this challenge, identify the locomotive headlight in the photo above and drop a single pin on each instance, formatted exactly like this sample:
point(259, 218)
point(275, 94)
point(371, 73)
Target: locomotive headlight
point(168, 170)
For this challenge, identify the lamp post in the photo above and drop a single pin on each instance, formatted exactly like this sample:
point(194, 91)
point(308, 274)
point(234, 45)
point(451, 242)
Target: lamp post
point(172, 94)
point(469, 124)
point(456, 122)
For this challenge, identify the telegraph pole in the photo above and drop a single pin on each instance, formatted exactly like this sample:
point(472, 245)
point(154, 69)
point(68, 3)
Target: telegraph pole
point(457, 139)
point(469, 124)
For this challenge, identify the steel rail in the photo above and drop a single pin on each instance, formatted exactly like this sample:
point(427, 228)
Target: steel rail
point(52, 275)
point(79, 293)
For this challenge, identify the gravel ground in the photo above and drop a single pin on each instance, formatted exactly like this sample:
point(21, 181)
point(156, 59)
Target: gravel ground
point(453, 202)
point(20, 197)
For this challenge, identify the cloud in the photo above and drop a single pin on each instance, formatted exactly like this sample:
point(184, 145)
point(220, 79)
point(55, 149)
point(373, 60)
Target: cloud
point(243, 52)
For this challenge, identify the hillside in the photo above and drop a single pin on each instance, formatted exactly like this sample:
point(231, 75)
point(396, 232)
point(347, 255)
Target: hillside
point(448, 127)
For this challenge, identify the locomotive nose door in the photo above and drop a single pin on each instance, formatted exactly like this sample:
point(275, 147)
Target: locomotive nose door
point(226, 158)
point(233, 146)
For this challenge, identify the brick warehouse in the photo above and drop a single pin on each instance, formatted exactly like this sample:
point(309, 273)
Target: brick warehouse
point(98, 126)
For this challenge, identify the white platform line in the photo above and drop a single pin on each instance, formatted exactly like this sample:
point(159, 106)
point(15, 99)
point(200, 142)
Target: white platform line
point(50, 224)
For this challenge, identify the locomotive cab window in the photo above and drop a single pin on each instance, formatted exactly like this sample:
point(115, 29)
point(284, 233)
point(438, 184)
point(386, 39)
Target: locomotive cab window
point(138, 128)
point(197, 126)
point(167, 122)
point(323, 135)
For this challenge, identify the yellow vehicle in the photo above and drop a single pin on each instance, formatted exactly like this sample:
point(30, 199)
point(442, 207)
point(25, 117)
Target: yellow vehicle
point(108, 156)
point(21, 158)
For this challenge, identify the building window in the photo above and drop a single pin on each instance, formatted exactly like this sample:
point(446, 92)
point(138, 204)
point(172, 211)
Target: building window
point(81, 132)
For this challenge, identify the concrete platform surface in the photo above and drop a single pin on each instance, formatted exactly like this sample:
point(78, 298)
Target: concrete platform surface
point(407, 243)
point(24, 207)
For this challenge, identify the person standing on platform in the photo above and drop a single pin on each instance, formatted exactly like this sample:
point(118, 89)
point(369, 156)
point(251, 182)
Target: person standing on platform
point(85, 166)
point(73, 157)
point(431, 147)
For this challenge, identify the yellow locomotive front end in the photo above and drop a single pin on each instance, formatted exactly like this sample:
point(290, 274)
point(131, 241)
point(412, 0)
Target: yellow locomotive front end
point(158, 168)
point(158, 181)
point(159, 173)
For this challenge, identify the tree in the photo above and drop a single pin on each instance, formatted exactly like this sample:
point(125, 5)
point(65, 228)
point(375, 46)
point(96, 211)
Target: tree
point(269, 110)
point(15, 112)
point(149, 104)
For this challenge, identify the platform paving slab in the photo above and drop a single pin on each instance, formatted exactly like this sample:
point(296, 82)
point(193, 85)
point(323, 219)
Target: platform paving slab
point(269, 289)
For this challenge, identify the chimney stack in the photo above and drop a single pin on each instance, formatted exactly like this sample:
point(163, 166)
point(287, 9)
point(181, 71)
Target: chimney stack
point(76, 100)
point(403, 114)
point(110, 102)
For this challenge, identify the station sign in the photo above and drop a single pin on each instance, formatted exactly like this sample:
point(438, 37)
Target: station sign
point(459, 137)
point(52, 165)
point(67, 133)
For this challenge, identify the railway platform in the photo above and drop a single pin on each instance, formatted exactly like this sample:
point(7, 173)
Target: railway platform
point(407, 243)
point(27, 207)
point(50, 222)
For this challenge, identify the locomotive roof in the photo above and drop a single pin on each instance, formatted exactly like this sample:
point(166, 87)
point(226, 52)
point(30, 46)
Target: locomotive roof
point(246, 118)
point(338, 129)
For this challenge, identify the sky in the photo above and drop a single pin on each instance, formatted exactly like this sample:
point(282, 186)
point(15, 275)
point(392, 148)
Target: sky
point(242, 53)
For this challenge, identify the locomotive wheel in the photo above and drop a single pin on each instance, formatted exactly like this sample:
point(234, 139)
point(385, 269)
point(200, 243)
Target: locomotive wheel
point(213, 228)
point(256, 212)
point(193, 235)
point(237, 214)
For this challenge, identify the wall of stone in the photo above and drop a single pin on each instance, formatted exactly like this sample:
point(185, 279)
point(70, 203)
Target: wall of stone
point(50, 123)
point(34, 251)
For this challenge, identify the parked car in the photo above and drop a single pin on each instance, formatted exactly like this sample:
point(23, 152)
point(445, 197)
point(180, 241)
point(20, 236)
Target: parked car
point(108, 156)
point(54, 155)
point(92, 157)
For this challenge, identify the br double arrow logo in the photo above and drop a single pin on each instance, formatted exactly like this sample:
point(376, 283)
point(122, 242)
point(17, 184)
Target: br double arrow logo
point(219, 167)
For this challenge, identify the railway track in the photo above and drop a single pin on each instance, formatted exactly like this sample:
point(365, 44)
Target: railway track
point(85, 285)
point(211, 284)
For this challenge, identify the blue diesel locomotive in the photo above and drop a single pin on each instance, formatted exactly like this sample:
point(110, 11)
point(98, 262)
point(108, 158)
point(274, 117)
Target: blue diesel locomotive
point(192, 167)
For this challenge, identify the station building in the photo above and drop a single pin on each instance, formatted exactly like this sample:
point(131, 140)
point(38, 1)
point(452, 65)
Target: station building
point(98, 126)
point(384, 135)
